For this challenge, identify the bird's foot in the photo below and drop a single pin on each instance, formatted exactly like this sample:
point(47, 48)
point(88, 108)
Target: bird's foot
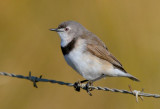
point(77, 86)
point(88, 89)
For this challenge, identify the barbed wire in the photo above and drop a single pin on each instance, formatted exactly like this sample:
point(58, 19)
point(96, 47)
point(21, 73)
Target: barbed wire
point(35, 79)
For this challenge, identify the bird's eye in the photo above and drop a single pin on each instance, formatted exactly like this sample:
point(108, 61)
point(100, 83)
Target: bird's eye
point(66, 29)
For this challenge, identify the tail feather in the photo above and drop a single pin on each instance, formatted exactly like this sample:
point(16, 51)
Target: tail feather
point(134, 78)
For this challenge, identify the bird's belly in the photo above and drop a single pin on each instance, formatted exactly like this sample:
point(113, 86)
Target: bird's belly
point(87, 65)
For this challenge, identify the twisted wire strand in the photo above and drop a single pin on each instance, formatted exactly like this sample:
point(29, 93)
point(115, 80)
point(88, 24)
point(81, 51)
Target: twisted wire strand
point(35, 79)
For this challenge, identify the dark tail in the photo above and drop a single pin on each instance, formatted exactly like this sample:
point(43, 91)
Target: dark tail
point(133, 78)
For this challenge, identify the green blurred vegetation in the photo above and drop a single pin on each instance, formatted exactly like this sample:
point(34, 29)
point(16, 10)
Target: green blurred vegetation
point(130, 29)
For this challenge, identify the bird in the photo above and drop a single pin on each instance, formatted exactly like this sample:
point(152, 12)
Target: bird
point(87, 54)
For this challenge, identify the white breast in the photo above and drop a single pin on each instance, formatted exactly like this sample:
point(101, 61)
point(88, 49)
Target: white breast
point(83, 62)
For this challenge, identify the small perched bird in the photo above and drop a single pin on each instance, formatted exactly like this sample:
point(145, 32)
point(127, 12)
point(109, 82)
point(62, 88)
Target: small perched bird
point(87, 54)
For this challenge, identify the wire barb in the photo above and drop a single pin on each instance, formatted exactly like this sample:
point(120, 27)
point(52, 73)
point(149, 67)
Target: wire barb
point(35, 79)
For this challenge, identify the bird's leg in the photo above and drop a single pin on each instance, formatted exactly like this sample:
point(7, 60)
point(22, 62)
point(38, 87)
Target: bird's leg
point(89, 83)
point(77, 85)
point(83, 81)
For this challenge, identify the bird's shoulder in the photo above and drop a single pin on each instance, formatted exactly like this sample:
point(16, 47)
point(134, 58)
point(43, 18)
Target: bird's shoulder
point(93, 39)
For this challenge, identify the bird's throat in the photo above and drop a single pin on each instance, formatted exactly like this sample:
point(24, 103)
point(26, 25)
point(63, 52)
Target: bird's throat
point(69, 47)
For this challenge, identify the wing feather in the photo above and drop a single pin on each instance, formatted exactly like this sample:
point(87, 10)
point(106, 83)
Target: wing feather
point(99, 49)
point(104, 54)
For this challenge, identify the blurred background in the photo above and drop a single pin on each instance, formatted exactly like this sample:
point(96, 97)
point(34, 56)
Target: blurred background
point(130, 29)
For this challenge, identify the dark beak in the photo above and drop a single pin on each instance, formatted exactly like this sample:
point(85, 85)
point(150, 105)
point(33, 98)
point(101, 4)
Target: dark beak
point(56, 30)
point(53, 29)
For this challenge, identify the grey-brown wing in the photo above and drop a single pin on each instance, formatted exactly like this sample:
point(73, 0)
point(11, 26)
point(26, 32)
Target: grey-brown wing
point(99, 49)
point(102, 52)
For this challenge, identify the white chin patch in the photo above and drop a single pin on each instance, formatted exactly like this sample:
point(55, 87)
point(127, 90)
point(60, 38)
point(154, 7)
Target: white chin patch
point(65, 39)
